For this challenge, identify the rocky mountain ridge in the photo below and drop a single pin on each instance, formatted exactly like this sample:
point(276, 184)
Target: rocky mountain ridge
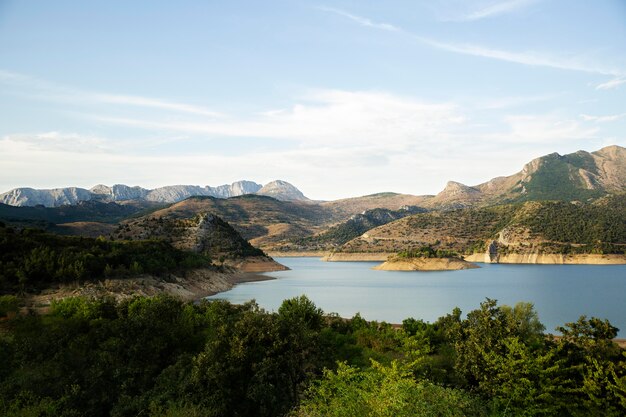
point(579, 176)
point(29, 197)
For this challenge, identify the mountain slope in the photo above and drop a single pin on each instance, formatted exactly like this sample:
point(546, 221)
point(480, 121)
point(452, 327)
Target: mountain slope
point(262, 220)
point(578, 176)
point(530, 227)
point(344, 208)
point(282, 190)
point(355, 226)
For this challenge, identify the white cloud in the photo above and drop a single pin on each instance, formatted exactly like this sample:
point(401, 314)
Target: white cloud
point(602, 119)
point(530, 58)
point(611, 84)
point(58, 141)
point(329, 117)
point(154, 103)
point(324, 165)
point(333, 143)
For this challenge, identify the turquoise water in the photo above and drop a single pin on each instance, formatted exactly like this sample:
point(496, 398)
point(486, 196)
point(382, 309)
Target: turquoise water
point(560, 293)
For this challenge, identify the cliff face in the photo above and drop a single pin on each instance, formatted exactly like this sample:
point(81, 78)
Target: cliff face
point(551, 259)
point(49, 198)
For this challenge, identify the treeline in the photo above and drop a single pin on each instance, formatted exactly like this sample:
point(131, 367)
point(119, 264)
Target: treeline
point(161, 357)
point(32, 259)
point(426, 252)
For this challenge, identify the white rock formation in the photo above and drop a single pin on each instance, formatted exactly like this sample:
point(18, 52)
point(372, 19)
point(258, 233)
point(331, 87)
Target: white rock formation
point(280, 190)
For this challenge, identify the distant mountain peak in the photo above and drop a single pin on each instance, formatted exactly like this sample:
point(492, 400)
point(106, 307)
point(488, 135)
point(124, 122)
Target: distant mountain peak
point(453, 187)
point(282, 190)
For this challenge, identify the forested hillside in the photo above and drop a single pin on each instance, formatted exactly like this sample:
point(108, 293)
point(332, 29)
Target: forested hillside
point(31, 259)
point(546, 227)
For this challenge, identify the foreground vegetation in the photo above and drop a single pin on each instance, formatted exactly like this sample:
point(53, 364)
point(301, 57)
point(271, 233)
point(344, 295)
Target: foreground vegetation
point(162, 357)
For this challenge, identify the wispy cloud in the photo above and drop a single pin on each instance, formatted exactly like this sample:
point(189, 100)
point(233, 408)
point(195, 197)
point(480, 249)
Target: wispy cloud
point(493, 9)
point(58, 92)
point(327, 117)
point(530, 58)
point(602, 119)
point(363, 21)
point(611, 84)
point(60, 141)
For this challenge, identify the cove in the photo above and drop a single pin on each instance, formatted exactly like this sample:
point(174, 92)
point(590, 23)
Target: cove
point(560, 293)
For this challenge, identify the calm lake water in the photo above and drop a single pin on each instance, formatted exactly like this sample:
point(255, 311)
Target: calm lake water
point(560, 293)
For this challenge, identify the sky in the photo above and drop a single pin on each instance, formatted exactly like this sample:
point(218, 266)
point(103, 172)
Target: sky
point(340, 98)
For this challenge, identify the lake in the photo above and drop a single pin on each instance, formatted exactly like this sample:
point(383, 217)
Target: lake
point(560, 293)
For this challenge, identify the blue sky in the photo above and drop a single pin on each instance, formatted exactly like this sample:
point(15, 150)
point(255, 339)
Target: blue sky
point(340, 98)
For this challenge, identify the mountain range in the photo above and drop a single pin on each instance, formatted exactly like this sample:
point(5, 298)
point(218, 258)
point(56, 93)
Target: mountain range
point(25, 197)
point(278, 217)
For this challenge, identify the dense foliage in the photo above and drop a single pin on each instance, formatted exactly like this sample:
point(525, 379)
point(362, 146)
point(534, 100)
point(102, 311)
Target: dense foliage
point(604, 221)
point(553, 226)
point(83, 211)
point(426, 252)
point(161, 357)
point(558, 179)
point(31, 259)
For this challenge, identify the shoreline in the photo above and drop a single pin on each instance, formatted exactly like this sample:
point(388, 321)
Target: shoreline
point(357, 256)
point(194, 285)
point(548, 259)
point(298, 254)
point(513, 258)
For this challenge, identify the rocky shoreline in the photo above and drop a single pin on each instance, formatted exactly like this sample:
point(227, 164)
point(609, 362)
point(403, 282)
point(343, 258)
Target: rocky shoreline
point(548, 259)
point(189, 286)
point(512, 258)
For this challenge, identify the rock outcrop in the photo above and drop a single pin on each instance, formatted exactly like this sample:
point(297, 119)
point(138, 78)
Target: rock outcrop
point(282, 190)
point(424, 264)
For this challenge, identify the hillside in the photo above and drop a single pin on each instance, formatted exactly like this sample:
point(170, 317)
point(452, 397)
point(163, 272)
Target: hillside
point(578, 176)
point(531, 227)
point(262, 220)
point(347, 207)
point(83, 211)
point(354, 227)
point(31, 259)
point(205, 234)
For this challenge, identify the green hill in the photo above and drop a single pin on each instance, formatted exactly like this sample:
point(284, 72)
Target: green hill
point(545, 227)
